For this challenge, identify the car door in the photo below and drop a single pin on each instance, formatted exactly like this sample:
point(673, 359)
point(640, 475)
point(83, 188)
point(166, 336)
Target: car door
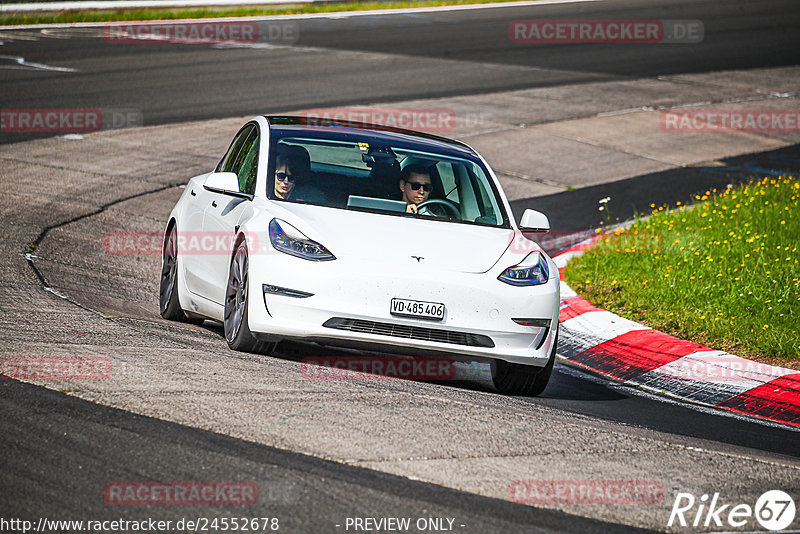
point(190, 233)
point(224, 213)
point(198, 245)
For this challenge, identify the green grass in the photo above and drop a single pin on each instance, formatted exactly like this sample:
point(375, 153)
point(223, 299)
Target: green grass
point(723, 272)
point(200, 13)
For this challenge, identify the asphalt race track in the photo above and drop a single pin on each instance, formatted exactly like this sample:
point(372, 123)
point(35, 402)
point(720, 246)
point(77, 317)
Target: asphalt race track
point(393, 58)
point(181, 407)
point(305, 493)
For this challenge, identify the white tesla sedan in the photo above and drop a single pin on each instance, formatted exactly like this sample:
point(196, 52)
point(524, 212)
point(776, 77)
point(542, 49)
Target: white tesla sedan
point(365, 237)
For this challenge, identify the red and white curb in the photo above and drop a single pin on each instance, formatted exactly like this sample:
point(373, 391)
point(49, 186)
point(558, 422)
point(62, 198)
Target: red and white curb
point(599, 341)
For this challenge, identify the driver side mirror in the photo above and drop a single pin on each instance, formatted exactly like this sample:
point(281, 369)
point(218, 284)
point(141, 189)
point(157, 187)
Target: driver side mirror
point(226, 183)
point(535, 221)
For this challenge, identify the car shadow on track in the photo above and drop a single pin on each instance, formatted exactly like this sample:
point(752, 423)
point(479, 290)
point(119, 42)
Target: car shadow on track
point(331, 363)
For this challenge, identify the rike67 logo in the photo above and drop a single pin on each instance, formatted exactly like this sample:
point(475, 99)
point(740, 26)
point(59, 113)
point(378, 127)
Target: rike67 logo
point(774, 510)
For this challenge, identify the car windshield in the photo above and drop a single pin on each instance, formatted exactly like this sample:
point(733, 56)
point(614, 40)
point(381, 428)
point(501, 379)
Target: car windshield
point(376, 174)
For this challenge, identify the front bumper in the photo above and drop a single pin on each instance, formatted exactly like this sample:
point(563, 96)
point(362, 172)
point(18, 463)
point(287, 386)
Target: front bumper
point(324, 296)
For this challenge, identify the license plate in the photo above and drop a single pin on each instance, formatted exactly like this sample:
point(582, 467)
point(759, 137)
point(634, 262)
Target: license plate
point(417, 308)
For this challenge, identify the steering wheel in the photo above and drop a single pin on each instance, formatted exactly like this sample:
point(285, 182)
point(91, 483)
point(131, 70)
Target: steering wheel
point(447, 204)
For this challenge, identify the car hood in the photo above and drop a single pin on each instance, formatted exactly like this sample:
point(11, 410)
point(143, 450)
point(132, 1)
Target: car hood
point(355, 235)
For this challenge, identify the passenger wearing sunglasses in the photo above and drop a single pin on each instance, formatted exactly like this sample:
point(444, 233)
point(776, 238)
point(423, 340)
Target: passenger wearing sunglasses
point(416, 185)
point(291, 163)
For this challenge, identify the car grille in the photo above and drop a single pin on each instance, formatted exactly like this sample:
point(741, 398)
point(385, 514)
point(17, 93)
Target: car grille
point(410, 332)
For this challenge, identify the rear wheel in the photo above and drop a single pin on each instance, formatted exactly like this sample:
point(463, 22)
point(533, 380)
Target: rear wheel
point(516, 379)
point(237, 331)
point(169, 302)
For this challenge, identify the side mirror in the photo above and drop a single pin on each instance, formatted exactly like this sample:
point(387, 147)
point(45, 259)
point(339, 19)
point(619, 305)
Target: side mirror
point(226, 183)
point(535, 221)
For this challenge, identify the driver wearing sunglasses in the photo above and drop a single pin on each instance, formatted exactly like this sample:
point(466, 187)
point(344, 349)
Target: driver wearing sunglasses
point(416, 186)
point(291, 163)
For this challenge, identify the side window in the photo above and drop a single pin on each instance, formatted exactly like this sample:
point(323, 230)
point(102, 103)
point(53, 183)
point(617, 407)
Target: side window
point(226, 165)
point(448, 180)
point(246, 163)
point(477, 203)
point(486, 201)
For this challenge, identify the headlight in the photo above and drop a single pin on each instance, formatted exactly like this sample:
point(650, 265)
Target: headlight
point(286, 238)
point(532, 271)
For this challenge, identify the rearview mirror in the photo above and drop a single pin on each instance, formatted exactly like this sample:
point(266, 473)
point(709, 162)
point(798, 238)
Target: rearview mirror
point(226, 183)
point(535, 221)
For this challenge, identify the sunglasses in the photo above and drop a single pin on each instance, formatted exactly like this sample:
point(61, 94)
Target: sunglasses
point(282, 177)
point(416, 185)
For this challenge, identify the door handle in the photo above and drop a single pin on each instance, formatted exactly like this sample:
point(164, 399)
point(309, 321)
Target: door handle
point(214, 203)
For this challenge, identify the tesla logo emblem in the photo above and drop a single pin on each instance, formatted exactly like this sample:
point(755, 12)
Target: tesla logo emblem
point(418, 258)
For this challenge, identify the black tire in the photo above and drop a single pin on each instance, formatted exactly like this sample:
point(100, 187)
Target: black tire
point(516, 379)
point(237, 331)
point(169, 302)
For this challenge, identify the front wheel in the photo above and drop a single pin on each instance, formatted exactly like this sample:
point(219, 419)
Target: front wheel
point(169, 302)
point(237, 331)
point(516, 379)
